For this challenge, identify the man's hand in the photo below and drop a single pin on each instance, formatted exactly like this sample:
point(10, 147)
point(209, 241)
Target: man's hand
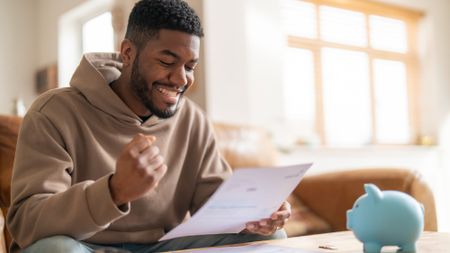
point(138, 170)
point(268, 226)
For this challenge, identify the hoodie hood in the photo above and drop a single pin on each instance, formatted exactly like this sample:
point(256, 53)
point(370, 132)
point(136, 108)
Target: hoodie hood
point(92, 78)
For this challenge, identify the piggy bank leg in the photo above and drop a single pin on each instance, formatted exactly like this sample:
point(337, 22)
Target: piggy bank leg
point(408, 248)
point(370, 247)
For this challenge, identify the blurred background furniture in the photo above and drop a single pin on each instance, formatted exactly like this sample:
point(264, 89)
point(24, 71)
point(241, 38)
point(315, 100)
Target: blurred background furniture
point(9, 129)
point(319, 203)
point(321, 200)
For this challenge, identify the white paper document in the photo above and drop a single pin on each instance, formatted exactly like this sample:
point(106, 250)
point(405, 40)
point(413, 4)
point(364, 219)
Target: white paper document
point(248, 195)
point(258, 248)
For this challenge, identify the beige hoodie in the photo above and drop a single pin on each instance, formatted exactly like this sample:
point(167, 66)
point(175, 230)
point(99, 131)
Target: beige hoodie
point(67, 149)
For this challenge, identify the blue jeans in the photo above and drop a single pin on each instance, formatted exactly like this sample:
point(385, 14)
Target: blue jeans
point(69, 245)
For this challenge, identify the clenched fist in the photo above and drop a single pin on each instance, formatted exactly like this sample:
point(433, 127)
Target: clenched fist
point(138, 170)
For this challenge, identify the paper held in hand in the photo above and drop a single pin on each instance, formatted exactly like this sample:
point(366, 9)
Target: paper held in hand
point(248, 195)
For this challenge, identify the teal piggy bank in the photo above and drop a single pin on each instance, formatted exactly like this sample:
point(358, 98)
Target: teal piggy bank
point(386, 218)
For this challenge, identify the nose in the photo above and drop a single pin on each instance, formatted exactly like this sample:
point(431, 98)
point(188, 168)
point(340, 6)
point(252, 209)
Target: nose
point(178, 77)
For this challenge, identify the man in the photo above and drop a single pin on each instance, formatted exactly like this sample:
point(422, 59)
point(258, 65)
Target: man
point(120, 157)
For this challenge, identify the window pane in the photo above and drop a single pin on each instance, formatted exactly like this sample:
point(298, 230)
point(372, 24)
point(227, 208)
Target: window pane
point(98, 35)
point(391, 102)
point(343, 26)
point(388, 34)
point(299, 18)
point(299, 90)
point(346, 94)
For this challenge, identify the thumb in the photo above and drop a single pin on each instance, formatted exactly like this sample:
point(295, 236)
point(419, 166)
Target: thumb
point(151, 138)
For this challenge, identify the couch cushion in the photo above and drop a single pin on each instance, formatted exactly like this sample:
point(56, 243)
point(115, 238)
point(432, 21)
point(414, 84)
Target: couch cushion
point(245, 146)
point(9, 128)
point(303, 220)
point(331, 194)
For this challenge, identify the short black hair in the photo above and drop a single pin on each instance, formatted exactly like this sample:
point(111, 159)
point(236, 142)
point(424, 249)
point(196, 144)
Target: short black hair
point(149, 16)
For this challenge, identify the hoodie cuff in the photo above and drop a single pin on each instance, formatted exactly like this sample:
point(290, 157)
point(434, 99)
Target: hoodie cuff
point(101, 205)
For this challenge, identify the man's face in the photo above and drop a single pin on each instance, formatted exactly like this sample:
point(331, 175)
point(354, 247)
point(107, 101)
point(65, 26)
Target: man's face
point(163, 69)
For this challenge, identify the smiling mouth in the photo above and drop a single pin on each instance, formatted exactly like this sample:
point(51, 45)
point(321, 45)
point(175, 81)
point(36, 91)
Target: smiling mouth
point(167, 92)
point(170, 92)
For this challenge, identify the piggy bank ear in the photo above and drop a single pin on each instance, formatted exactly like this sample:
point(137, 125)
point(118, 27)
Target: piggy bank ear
point(373, 192)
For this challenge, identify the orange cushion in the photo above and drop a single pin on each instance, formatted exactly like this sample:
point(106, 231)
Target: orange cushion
point(303, 221)
point(9, 129)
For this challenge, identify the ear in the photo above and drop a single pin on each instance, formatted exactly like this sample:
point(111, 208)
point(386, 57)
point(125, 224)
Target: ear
point(373, 192)
point(128, 52)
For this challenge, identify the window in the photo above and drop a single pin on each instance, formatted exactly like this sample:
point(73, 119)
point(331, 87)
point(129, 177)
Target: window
point(98, 34)
point(349, 71)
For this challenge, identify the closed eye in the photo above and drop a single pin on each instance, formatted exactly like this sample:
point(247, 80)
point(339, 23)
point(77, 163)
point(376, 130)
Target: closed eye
point(166, 63)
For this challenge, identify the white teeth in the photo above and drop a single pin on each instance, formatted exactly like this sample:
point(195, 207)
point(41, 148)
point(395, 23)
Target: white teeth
point(166, 92)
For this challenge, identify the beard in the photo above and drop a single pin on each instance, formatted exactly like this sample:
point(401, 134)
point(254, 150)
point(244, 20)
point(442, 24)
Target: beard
point(142, 91)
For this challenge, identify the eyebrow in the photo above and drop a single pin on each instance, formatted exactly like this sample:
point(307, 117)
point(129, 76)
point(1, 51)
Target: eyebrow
point(170, 53)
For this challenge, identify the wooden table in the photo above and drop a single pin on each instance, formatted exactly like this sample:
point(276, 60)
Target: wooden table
point(346, 242)
point(429, 242)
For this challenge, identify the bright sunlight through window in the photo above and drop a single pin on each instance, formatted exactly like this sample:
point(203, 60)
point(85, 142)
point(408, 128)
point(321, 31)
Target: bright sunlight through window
point(347, 74)
point(98, 34)
point(346, 97)
point(299, 91)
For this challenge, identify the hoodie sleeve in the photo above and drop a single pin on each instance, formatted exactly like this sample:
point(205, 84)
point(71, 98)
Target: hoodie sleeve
point(43, 200)
point(213, 168)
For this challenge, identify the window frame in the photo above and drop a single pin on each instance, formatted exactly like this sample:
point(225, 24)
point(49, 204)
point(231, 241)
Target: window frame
point(409, 58)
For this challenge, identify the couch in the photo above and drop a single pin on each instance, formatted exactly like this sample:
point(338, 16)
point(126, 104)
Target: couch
point(319, 203)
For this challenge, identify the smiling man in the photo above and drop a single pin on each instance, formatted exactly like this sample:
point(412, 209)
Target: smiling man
point(121, 157)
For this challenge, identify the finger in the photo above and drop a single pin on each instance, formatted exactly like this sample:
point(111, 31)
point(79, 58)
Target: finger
point(280, 215)
point(279, 223)
point(256, 228)
point(161, 171)
point(284, 212)
point(150, 153)
point(153, 176)
point(151, 138)
point(266, 223)
point(159, 174)
point(155, 167)
point(252, 226)
point(267, 227)
point(149, 158)
point(156, 162)
point(138, 145)
point(285, 206)
point(266, 231)
point(271, 225)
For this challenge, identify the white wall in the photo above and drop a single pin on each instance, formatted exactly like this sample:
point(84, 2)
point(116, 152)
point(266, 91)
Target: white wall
point(243, 47)
point(29, 42)
point(49, 13)
point(18, 45)
point(227, 95)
